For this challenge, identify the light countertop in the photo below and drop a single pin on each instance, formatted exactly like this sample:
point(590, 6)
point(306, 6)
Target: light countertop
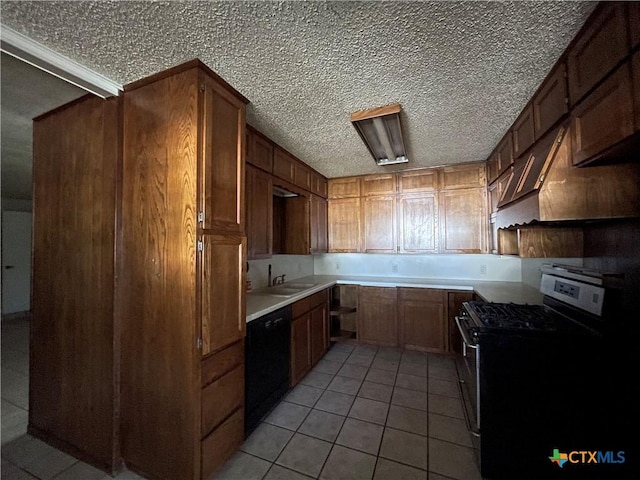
point(260, 302)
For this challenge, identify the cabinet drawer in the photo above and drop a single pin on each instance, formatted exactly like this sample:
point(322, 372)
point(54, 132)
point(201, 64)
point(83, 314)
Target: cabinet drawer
point(406, 294)
point(318, 298)
point(221, 398)
point(218, 447)
point(215, 366)
point(301, 307)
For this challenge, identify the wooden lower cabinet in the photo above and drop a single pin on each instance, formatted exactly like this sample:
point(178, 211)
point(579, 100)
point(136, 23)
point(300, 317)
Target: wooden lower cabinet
point(309, 334)
point(422, 319)
point(455, 299)
point(223, 442)
point(377, 316)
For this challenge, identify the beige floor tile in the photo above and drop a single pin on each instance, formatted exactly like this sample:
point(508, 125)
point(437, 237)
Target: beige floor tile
point(384, 364)
point(442, 373)
point(361, 435)
point(408, 419)
point(442, 361)
point(335, 402)
point(305, 455)
point(243, 466)
point(276, 472)
point(267, 441)
point(389, 470)
point(342, 347)
point(369, 410)
point(389, 353)
point(14, 422)
point(443, 387)
point(353, 371)
point(336, 356)
point(347, 464)
point(451, 407)
point(413, 369)
point(322, 425)
point(404, 447)
point(409, 398)
point(381, 376)
point(435, 476)
point(450, 429)
point(288, 415)
point(49, 465)
point(376, 391)
point(13, 472)
point(414, 357)
point(317, 379)
point(327, 366)
point(304, 395)
point(15, 388)
point(345, 385)
point(81, 471)
point(368, 350)
point(411, 382)
point(361, 360)
point(452, 460)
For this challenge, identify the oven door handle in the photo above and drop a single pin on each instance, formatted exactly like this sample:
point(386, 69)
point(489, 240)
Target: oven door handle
point(463, 332)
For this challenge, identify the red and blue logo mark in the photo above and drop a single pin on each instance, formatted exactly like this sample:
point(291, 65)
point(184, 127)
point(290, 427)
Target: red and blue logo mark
point(586, 457)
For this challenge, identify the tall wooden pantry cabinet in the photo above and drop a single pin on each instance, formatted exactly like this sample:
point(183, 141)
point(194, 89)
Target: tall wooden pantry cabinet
point(182, 273)
point(137, 338)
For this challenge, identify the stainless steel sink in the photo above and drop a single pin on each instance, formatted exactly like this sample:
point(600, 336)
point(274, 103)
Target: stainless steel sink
point(286, 289)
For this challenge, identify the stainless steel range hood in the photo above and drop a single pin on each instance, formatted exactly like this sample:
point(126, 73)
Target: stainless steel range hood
point(282, 192)
point(546, 187)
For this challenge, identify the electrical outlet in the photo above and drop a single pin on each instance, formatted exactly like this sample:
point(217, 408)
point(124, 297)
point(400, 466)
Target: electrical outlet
point(337, 266)
point(483, 269)
point(394, 268)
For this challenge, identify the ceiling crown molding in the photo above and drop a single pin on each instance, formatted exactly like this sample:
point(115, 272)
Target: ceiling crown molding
point(33, 53)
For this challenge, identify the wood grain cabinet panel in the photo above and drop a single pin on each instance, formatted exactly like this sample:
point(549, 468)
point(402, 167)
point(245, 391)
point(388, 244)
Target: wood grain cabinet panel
point(492, 168)
point(346, 187)
point(421, 319)
point(455, 299)
point(634, 23)
point(318, 331)
point(74, 341)
point(379, 222)
point(216, 365)
point(523, 132)
point(318, 224)
point(221, 444)
point(221, 398)
point(377, 316)
point(302, 176)
point(259, 151)
point(598, 49)
point(283, 165)
point(551, 102)
point(605, 117)
point(418, 223)
point(418, 181)
point(300, 348)
point(222, 159)
point(504, 153)
point(379, 184)
point(463, 176)
point(463, 224)
point(259, 201)
point(344, 225)
point(635, 73)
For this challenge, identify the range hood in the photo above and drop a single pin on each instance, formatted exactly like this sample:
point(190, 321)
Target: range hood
point(282, 192)
point(544, 186)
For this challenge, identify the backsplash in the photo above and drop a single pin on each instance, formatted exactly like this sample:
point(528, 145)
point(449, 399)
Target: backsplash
point(462, 267)
point(293, 266)
point(531, 274)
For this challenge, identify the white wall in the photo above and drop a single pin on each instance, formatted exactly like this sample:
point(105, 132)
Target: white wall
point(293, 266)
point(462, 267)
point(16, 253)
point(531, 274)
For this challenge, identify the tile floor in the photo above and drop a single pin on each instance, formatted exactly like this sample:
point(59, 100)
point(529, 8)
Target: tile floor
point(362, 413)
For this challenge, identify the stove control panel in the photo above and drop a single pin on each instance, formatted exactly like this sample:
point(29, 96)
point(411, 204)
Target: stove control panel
point(582, 295)
point(567, 289)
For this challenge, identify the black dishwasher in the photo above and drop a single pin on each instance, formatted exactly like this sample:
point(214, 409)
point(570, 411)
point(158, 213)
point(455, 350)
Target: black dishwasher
point(267, 364)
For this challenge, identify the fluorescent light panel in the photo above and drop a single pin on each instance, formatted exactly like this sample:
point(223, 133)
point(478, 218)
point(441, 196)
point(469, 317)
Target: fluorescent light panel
point(381, 132)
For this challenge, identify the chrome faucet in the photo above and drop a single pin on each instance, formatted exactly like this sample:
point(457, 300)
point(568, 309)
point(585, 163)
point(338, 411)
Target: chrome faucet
point(279, 280)
point(269, 278)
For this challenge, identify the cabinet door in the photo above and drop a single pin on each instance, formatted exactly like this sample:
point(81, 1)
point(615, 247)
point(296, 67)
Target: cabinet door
point(318, 184)
point(635, 73)
point(379, 184)
point(222, 181)
point(523, 134)
point(300, 348)
point(259, 151)
point(259, 214)
point(598, 49)
point(344, 225)
point(551, 102)
point(297, 230)
point(318, 321)
point(283, 165)
point(603, 118)
point(302, 175)
point(418, 181)
point(492, 168)
point(379, 215)
point(377, 316)
point(318, 224)
point(418, 223)
point(421, 318)
point(347, 187)
point(463, 225)
point(463, 176)
point(222, 295)
point(634, 23)
point(455, 305)
point(504, 153)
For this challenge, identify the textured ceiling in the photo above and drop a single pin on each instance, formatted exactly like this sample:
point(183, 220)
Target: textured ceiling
point(461, 70)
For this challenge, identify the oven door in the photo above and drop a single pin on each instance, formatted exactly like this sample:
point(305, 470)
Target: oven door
point(469, 373)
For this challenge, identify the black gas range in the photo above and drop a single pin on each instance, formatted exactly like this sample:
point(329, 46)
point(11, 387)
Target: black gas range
point(540, 379)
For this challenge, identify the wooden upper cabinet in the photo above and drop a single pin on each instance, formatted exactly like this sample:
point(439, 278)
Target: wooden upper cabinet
point(283, 165)
point(551, 102)
point(222, 180)
point(344, 225)
point(523, 132)
point(379, 223)
point(346, 187)
point(635, 74)
point(259, 151)
point(598, 49)
point(318, 184)
point(302, 176)
point(418, 223)
point(492, 168)
point(259, 213)
point(297, 226)
point(422, 319)
point(383, 184)
point(223, 284)
point(463, 221)
point(463, 176)
point(634, 23)
point(603, 118)
point(504, 153)
point(418, 181)
point(377, 316)
point(318, 224)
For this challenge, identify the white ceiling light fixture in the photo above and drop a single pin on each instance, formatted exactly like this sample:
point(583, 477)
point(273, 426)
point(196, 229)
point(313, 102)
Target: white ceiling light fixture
point(381, 132)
